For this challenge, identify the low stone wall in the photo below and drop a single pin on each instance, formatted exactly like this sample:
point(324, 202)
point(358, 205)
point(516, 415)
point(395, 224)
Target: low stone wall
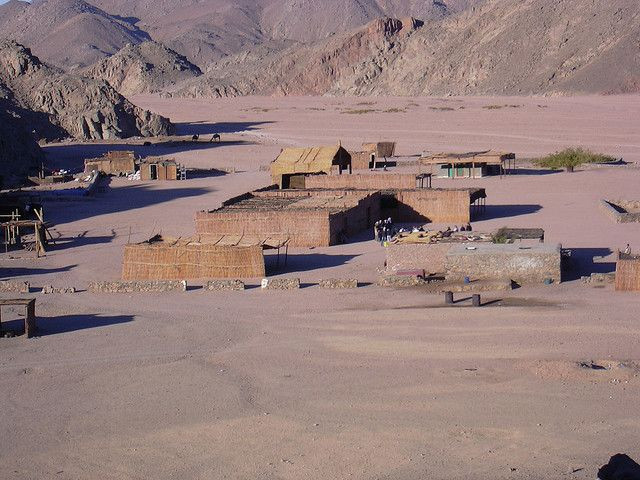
point(335, 283)
point(596, 279)
point(50, 289)
point(617, 210)
point(225, 286)
point(138, 287)
point(11, 286)
point(429, 257)
point(281, 284)
point(401, 281)
point(525, 265)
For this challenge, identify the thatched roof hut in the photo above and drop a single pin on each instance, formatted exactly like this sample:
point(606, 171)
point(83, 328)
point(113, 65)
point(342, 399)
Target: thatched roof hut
point(303, 161)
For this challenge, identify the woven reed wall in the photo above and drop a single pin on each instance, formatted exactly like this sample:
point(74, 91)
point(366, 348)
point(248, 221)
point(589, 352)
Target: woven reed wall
point(194, 261)
point(382, 181)
point(436, 206)
point(628, 275)
point(303, 228)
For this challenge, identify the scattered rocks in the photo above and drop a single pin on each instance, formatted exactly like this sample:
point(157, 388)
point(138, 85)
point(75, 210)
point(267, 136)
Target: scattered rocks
point(281, 284)
point(225, 286)
point(50, 289)
point(138, 287)
point(334, 283)
point(599, 279)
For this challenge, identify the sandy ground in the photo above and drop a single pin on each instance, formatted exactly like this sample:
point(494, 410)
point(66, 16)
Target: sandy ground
point(366, 384)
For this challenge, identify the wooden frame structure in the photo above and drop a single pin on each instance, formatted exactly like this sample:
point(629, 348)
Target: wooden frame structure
point(29, 305)
point(506, 162)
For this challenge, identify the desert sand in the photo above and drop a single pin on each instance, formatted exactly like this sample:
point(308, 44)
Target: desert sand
point(367, 384)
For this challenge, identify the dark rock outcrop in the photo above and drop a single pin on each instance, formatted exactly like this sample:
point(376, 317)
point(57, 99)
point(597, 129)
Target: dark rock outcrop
point(80, 107)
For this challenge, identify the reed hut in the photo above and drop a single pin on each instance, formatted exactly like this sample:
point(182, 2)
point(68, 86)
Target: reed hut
point(380, 149)
point(294, 163)
point(628, 273)
point(191, 259)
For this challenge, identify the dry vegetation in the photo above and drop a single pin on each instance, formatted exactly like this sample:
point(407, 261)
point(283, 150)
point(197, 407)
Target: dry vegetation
point(570, 158)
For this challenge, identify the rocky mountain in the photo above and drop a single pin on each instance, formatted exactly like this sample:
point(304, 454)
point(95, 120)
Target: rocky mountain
point(315, 69)
point(499, 47)
point(77, 33)
point(74, 105)
point(20, 154)
point(148, 67)
point(66, 33)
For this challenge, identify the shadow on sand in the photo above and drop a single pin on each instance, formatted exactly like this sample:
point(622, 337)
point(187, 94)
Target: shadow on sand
point(121, 199)
point(620, 467)
point(67, 323)
point(506, 211)
point(205, 128)
point(10, 272)
point(584, 262)
point(72, 157)
point(304, 262)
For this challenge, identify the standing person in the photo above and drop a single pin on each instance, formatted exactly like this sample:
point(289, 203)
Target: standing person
point(376, 231)
point(628, 249)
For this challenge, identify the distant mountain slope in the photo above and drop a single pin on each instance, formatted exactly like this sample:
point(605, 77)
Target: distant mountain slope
point(145, 68)
point(79, 106)
point(66, 33)
point(501, 47)
point(71, 33)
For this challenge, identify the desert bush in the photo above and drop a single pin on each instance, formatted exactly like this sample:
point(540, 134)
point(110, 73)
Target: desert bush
point(570, 158)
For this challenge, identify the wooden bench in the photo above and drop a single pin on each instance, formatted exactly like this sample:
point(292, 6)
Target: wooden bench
point(29, 305)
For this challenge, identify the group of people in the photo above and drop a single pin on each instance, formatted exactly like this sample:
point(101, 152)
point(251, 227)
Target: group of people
point(383, 230)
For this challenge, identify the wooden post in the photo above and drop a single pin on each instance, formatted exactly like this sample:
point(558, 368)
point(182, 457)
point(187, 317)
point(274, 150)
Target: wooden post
point(448, 298)
point(30, 319)
point(476, 300)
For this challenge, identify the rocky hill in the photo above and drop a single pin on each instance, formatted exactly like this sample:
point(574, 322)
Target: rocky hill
point(304, 70)
point(78, 106)
point(71, 33)
point(149, 67)
point(500, 47)
point(20, 154)
point(67, 33)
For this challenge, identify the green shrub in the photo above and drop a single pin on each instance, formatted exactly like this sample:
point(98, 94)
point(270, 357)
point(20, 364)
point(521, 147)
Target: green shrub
point(570, 158)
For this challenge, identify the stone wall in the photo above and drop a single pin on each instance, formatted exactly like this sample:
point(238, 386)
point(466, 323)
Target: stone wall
point(417, 256)
point(336, 283)
point(524, 265)
point(225, 286)
point(10, 286)
point(138, 287)
point(622, 211)
point(281, 284)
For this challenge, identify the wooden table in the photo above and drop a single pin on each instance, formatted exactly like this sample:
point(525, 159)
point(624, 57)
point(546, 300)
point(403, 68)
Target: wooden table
point(29, 305)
